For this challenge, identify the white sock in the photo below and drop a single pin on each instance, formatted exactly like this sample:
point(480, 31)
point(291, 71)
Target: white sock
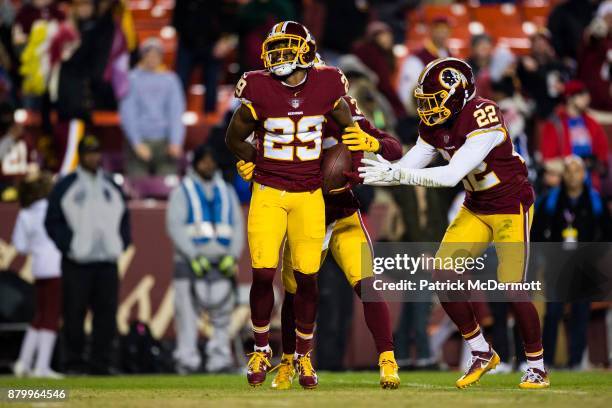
point(478, 343)
point(265, 349)
point(28, 347)
point(539, 364)
point(46, 342)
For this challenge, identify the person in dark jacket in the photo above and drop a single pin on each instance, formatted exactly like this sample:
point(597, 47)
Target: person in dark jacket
point(542, 74)
point(571, 213)
point(88, 221)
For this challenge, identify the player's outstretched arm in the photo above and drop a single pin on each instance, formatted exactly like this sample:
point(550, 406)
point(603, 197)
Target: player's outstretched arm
point(467, 157)
point(381, 172)
point(241, 126)
point(365, 137)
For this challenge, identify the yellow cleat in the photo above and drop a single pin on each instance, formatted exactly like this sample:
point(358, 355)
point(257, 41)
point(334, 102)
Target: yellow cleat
point(285, 375)
point(480, 363)
point(389, 378)
point(534, 379)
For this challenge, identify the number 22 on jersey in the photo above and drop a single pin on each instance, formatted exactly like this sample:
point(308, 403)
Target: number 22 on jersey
point(478, 179)
point(281, 133)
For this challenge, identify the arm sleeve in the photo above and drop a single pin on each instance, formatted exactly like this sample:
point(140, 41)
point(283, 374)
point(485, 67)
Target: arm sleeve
point(237, 244)
point(177, 108)
point(20, 235)
point(471, 154)
point(390, 147)
point(421, 154)
point(176, 214)
point(129, 116)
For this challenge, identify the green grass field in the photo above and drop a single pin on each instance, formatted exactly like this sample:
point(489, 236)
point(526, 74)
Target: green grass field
point(347, 390)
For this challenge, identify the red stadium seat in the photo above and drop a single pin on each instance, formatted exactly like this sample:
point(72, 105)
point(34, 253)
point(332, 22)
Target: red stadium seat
point(536, 11)
point(499, 20)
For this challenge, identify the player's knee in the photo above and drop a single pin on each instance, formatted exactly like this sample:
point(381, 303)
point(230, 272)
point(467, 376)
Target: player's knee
point(307, 284)
point(364, 289)
point(263, 275)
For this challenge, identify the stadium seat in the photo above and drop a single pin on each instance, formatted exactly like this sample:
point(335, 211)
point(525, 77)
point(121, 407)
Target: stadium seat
point(499, 20)
point(535, 11)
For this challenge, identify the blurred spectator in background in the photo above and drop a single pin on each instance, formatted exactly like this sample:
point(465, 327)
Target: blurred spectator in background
point(362, 87)
point(151, 115)
point(571, 130)
point(28, 14)
point(595, 60)
point(204, 220)
point(88, 220)
point(376, 52)
point(434, 47)
point(345, 23)
point(84, 54)
point(30, 238)
point(201, 27)
point(8, 59)
point(566, 23)
point(515, 110)
point(255, 19)
point(18, 155)
point(573, 212)
point(542, 74)
point(481, 51)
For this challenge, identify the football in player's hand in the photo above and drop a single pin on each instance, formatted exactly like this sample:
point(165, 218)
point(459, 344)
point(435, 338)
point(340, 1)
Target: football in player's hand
point(336, 161)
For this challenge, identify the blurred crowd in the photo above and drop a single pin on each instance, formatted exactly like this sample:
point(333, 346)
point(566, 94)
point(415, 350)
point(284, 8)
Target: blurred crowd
point(62, 61)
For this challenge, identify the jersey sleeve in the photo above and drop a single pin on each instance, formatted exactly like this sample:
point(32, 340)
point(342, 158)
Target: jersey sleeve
point(335, 83)
point(245, 91)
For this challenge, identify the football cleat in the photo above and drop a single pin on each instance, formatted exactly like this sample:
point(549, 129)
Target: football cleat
point(389, 378)
point(479, 364)
point(257, 367)
point(285, 375)
point(534, 379)
point(307, 374)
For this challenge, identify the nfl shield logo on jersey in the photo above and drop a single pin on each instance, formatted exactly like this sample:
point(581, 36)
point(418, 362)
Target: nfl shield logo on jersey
point(295, 103)
point(446, 138)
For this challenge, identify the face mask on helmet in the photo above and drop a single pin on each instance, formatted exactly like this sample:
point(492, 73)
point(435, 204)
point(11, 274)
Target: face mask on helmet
point(430, 107)
point(281, 53)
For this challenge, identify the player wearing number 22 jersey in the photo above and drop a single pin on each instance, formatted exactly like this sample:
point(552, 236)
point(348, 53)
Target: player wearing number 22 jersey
point(285, 107)
point(469, 132)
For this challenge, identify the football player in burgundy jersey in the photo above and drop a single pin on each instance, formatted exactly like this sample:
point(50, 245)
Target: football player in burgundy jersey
point(346, 236)
point(470, 133)
point(285, 107)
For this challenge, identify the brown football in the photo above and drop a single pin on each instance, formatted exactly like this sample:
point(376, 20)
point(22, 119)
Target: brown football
point(336, 160)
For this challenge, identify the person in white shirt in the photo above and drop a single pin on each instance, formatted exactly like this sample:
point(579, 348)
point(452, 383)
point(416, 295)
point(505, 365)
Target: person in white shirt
point(30, 238)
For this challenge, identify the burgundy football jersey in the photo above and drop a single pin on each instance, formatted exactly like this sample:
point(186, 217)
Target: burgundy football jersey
point(499, 184)
point(342, 205)
point(288, 136)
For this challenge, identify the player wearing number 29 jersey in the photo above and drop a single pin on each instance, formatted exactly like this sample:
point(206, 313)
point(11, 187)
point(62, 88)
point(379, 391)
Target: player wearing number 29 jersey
point(470, 133)
point(285, 108)
point(290, 123)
